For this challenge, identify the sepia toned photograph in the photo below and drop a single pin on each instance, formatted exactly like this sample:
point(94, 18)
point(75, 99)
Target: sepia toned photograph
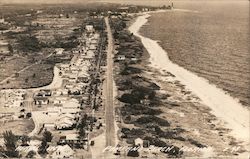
point(111, 79)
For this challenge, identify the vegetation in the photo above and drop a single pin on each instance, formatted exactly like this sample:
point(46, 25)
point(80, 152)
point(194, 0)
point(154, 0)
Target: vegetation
point(172, 152)
point(139, 109)
point(82, 126)
point(10, 141)
point(31, 154)
point(25, 139)
point(128, 70)
point(29, 43)
point(147, 119)
point(139, 97)
point(47, 136)
point(133, 153)
point(43, 148)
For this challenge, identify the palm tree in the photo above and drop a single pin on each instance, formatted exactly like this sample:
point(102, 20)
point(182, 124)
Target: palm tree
point(10, 141)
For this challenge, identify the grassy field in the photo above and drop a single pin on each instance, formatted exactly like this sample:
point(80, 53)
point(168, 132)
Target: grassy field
point(36, 76)
point(18, 127)
point(12, 65)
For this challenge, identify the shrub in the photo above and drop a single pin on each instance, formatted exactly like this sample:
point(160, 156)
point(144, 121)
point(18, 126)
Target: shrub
point(29, 44)
point(152, 119)
point(130, 70)
point(196, 143)
point(133, 153)
point(129, 98)
point(138, 109)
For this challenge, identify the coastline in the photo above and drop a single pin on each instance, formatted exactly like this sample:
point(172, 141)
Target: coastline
point(212, 97)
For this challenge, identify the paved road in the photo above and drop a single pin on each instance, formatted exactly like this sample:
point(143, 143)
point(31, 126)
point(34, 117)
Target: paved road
point(109, 106)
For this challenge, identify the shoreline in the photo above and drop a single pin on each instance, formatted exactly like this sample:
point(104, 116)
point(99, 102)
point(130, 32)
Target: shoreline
point(212, 95)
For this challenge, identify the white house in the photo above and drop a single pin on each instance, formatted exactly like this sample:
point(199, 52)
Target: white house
point(92, 47)
point(64, 123)
point(96, 36)
point(41, 100)
point(83, 76)
point(49, 126)
point(52, 111)
point(94, 41)
point(90, 28)
point(59, 51)
point(64, 67)
point(71, 104)
point(70, 111)
point(138, 142)
point(63, 152)
point(121, 57)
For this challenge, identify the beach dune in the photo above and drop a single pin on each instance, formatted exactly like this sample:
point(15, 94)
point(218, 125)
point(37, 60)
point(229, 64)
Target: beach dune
point(223, 106)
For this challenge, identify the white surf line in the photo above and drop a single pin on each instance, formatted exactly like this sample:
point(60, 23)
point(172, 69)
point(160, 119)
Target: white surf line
point(223, 106)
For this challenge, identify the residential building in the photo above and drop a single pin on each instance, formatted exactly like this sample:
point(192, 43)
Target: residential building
point(64, 151)
point(121, 57)
point(41, 100)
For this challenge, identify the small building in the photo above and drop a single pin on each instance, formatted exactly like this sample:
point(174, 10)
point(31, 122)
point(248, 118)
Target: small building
point(43, 93)
point(145, 101)
point(41, 100)
point(39, 11)
point(83, 77)
point(73, 103)
point(53, 111)
point(121, 57)
point(59, 51)
point(94, 41)
point(60, 92)
point(138, 142)
point(72, 140)
point(49, 126)
point(134, 59)
point(2, 20)
point(70, 111)
point(61, 15)
point(92, 47)
point(64, 67)
point(61, 152)
point(28, 15)
point(90, 28)
point(64, 123)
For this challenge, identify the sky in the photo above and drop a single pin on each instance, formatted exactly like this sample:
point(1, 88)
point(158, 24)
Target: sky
point(84, 1)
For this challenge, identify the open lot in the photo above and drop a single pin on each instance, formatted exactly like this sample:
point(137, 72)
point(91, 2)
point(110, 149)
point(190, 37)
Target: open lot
point(19, 127)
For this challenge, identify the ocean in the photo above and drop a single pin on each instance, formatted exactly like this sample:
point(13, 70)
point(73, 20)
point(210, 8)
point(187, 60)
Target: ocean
point(210, 39)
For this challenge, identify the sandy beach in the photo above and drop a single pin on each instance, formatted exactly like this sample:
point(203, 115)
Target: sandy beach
point(224, 107)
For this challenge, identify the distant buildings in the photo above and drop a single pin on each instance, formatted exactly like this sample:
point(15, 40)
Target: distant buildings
point(12, 98)
point(2, 20)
